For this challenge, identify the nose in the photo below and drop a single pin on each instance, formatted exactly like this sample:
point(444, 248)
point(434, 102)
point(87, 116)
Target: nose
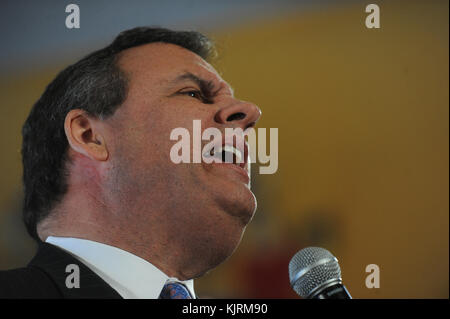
point(242, 114)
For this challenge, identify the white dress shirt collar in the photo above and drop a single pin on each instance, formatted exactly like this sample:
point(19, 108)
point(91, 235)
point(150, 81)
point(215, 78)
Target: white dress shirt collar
point(131, 276)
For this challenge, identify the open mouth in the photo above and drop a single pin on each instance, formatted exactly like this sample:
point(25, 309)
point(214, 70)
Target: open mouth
point(227, 154)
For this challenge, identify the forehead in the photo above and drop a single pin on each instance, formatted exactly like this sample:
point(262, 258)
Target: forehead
point(158, 63)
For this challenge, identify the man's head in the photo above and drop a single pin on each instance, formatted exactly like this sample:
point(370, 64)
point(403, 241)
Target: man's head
point(97, 146)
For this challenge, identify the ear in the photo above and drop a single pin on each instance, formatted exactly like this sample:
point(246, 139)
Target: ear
point(83, 135)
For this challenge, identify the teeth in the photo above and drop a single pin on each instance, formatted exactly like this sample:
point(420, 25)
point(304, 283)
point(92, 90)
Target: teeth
point(234, 151)
point(227, 148)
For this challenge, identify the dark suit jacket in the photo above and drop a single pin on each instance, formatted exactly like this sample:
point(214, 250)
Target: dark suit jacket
point(45, 277)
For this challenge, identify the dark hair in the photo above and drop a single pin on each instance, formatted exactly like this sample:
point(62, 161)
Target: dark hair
point(94, 84)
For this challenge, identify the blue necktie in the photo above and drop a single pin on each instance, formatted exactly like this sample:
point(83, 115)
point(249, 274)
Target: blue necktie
point(174, 290)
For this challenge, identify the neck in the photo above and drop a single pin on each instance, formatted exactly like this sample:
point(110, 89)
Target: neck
point(83, 215)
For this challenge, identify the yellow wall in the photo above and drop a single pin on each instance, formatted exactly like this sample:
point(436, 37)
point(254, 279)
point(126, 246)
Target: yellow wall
point(363, 128)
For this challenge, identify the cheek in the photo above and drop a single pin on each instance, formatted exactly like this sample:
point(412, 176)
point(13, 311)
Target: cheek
point(147, 136)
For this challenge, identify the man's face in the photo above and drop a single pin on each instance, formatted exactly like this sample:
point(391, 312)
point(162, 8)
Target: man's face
point(192, 208)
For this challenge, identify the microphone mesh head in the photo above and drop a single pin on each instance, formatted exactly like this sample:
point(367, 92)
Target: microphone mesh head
point(312, 267)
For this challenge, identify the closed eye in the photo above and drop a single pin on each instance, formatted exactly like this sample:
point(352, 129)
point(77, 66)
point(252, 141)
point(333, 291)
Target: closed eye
point(194, 94)
point(197, 95)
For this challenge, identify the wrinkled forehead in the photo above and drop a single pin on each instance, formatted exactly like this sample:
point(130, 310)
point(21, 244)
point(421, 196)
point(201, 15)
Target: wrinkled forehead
point(159, 63)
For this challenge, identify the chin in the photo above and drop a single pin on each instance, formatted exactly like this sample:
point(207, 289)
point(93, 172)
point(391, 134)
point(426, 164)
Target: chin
point(250, 208)
point(240, 204)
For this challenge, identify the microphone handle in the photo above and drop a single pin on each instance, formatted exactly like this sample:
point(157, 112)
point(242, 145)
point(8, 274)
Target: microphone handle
point(337, 291)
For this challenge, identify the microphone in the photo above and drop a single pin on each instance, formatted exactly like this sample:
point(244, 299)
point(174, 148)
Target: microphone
point(314, 273)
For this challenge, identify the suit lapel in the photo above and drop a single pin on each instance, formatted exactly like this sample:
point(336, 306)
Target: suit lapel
point(53, 261)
